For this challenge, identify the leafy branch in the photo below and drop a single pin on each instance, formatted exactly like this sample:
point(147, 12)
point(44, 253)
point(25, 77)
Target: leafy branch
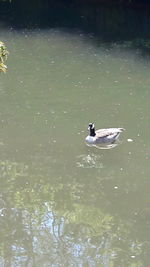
point(3, 57)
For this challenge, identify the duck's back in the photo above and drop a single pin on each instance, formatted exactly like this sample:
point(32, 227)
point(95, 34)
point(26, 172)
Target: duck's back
point(108, 132)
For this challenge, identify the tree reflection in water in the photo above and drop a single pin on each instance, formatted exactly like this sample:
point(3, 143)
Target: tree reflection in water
point(47, 222)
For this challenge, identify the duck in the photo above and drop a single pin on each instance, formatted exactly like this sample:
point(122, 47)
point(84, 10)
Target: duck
point(108, 135)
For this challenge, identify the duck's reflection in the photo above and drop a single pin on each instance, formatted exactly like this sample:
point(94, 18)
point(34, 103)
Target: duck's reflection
point(103, 146)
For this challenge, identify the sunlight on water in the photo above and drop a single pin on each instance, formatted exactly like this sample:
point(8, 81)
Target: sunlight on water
point(63, 202)
point(89, 161)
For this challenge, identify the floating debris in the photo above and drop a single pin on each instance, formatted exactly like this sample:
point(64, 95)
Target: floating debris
point(130, 140)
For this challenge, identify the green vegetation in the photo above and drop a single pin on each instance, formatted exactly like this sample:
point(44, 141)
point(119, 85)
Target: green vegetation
point(3, 57)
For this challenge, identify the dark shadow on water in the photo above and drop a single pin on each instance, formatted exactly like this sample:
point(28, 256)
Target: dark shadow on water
point(107, 23)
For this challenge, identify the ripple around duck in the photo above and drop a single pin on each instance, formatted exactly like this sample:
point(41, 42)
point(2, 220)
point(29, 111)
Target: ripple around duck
point(89, 161)
point(103, 146)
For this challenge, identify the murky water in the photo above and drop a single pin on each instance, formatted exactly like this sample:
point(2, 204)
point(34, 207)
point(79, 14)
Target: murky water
point(64, 203)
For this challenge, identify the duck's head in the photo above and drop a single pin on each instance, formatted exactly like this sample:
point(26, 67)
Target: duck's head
point(91, 126)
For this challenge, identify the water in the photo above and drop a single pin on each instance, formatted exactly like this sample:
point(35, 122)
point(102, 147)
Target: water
point(64, 203)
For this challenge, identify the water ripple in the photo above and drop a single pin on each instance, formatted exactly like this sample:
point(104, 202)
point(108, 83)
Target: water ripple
point(89, 161)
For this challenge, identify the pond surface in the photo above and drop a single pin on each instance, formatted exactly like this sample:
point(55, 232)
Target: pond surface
point(64, 203)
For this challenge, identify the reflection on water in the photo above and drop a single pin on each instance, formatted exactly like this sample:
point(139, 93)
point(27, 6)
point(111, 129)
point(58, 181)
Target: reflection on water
point(63, 202)
point(89, 161)
point(103, 146)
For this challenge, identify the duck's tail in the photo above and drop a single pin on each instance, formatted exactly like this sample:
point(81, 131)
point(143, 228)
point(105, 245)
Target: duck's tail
point(122, 129)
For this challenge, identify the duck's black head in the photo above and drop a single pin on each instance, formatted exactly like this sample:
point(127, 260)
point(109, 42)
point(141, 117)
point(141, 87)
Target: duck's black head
point(91, 128)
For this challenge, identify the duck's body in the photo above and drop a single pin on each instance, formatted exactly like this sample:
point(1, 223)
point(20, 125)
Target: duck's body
point(108, 135)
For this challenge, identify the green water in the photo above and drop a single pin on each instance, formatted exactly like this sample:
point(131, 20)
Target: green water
point(63, 203)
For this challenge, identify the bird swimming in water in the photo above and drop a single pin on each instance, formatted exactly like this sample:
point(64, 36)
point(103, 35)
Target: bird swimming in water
point(108, 135)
